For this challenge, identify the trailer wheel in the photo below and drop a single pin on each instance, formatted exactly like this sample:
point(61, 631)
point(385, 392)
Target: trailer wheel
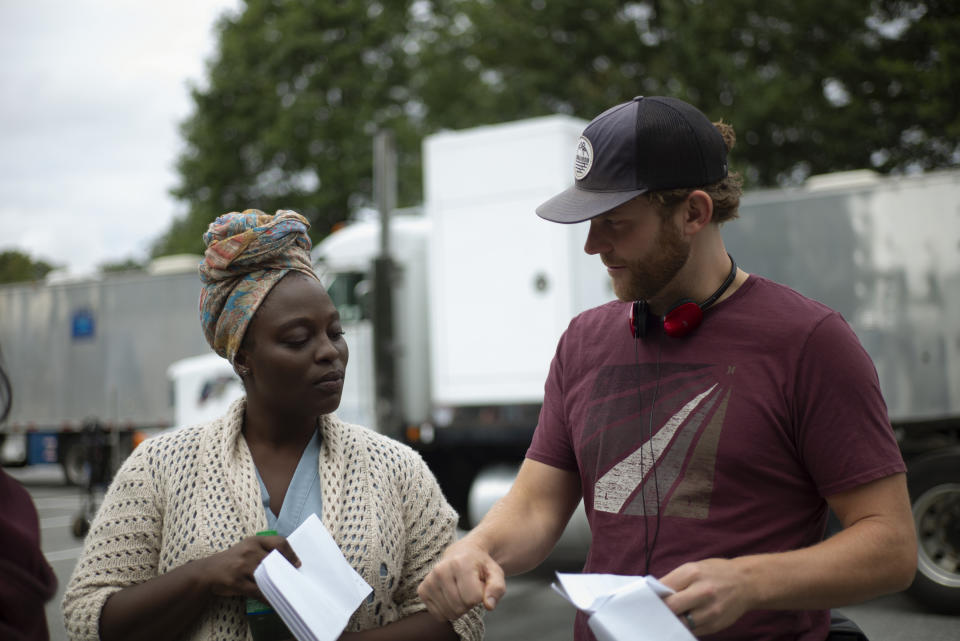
point(74, 462)
point(934, 483)
point(80, 526)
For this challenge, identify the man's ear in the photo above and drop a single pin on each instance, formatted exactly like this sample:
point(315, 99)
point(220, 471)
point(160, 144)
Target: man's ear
point(698, 212)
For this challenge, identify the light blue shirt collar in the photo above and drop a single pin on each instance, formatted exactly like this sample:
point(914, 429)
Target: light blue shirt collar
point(303, 496)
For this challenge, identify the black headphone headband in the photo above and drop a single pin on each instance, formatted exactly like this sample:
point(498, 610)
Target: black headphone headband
point(723, 286)
point(684, 316)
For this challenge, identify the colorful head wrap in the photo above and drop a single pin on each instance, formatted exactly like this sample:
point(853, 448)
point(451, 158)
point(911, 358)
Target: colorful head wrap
point(247, 254)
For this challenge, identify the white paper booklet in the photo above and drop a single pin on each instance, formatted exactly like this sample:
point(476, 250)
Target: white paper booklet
point(316, 600)
point(623, 608)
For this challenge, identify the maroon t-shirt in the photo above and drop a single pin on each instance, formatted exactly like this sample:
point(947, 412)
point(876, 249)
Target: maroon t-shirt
point(768, 407)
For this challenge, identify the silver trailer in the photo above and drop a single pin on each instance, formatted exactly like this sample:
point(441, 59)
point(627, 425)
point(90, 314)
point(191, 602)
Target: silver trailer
point(885, 252)
point(94, 352)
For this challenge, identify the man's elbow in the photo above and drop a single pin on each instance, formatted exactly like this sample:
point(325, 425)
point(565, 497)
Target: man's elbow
point(909, 566)
point(903, 558)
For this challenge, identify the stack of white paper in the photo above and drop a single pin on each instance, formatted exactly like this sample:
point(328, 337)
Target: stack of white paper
point(622, 608)
point(316, 600)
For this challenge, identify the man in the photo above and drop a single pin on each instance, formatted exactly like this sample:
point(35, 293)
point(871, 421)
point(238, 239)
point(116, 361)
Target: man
point(708, 418)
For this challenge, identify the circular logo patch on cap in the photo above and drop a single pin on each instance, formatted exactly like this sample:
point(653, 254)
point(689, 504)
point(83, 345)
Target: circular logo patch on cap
point(584, 158)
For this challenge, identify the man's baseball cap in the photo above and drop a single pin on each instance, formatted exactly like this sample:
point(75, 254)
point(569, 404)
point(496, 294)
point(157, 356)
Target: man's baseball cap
point(648, 144)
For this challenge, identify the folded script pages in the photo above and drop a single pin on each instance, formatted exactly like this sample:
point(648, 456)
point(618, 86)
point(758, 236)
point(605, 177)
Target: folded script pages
point(317, 599)
point(622, 608)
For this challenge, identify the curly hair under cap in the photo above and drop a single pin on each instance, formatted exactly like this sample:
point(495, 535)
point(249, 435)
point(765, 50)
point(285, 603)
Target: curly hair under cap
point(725, 194)
point(247, 255)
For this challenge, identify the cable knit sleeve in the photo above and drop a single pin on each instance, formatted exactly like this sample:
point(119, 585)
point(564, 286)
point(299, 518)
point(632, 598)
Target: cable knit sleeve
point(122, 547)
point(431, 528)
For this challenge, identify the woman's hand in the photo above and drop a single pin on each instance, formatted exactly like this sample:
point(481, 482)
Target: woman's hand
point(230, 573)
point(166, 605)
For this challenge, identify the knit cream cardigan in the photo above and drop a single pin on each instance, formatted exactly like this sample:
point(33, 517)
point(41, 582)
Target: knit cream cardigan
point(193, 492)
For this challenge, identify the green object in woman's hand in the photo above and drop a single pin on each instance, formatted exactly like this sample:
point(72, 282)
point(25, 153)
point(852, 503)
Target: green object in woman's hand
point(265, 624)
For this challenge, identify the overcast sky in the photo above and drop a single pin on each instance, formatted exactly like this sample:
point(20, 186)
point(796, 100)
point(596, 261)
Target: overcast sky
point(93, 92)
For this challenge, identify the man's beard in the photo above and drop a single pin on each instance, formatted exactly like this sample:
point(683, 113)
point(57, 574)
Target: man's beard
point(648, 276)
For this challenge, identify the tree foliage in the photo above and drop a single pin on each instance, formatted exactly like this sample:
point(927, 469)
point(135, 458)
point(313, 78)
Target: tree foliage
point(810, 87)
point(16, 266)
point(298, 88)
point(295, 95)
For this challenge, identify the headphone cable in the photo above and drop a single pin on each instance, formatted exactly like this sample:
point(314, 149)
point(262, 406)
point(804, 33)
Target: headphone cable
point(648, 545)
point(643, 445)
point(656, 480)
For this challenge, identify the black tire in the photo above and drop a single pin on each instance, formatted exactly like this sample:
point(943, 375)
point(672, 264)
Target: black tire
point(934, 482)
point(73, 460)
point(80, 526)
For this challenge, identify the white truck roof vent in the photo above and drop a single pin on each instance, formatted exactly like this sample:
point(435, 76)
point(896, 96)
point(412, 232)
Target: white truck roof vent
point(174, 264)
point(842, 180)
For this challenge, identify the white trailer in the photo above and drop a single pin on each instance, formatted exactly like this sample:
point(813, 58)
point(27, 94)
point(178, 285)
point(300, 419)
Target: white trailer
point(503, 285)
point(483, 292)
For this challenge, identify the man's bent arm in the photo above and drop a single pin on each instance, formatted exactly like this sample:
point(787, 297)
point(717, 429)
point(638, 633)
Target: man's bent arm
point(874, 554)
point(522, 528)
point(517, 534)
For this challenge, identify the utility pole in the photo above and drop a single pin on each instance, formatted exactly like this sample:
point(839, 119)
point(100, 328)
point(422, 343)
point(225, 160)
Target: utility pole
point(384, 338)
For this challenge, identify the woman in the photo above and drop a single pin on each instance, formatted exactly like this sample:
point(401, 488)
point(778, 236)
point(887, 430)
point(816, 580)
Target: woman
point(172, 550)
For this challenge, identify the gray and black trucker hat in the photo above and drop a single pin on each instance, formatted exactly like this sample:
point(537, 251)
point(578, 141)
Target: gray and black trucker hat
point(647, 144)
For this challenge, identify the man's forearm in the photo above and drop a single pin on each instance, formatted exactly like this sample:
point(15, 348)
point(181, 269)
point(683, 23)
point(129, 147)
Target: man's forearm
point(868, 559)
point(521, 529)
point(517, 533)
point(875, 553)
point(513, 539)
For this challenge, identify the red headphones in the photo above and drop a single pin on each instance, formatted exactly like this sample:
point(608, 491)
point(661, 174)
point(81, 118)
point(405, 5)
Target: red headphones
point(683, 317)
